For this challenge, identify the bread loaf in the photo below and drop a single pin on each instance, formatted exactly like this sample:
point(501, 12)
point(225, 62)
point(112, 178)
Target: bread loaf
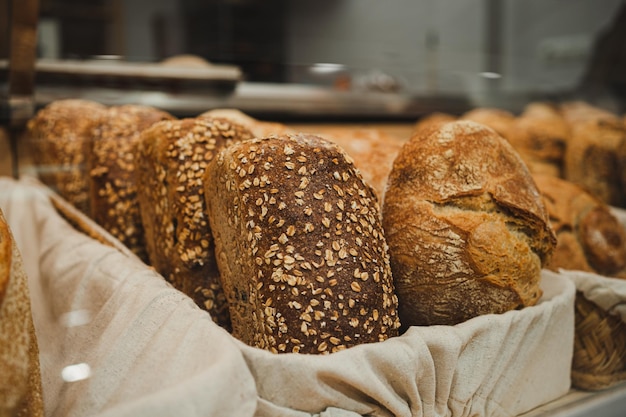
point(431, 122)
point(59, 134)
point(300, 247)
point(20, 376)
point(547, 135)
point(111, 163)
point(259, 128)
point(593, 156)
point(468, 233)
point(172, 159)
point(589, 237)
point(372, 151)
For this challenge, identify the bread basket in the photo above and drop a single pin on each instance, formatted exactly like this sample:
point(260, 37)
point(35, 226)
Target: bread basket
point(599, 346)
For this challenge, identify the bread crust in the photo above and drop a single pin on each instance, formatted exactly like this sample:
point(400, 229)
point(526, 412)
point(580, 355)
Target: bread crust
point(300, 247)
point(467, 230)
point(111, 163)
point(173, 155)
point(60, 134)
point(589, 237)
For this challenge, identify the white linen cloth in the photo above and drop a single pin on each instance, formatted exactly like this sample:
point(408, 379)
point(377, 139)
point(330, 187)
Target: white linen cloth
point(152, 352)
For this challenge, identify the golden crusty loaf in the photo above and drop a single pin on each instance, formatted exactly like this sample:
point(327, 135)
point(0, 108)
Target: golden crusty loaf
point(432, 121)
point(111, 164)
point(372, 151)
point(589, 237)
point(547, 135)
point(20, 377)
point(593, 155)
point(172, 159)
point(467, 231)
point(300, 247)
point(59, 133)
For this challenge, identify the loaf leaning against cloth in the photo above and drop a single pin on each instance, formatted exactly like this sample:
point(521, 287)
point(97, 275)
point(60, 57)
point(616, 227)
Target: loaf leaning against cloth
point(300, 247)
point(467, 230)
point(20, 377)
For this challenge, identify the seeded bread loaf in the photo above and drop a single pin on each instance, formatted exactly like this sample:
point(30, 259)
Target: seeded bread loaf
point(111, 164)
point(20, 373)
point(468, 233)
point(593, 158)
point(172, 158)
point(59, 134)
point(589, 237)
point(300, 247)
point(259, 128)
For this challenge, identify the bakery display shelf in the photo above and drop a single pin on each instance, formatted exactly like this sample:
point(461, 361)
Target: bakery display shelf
point(610, 402)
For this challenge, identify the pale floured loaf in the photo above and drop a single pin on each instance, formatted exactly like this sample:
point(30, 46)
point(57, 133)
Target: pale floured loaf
point(468, 233)
point(172, 159)
point(111, 162)
point(300, 247)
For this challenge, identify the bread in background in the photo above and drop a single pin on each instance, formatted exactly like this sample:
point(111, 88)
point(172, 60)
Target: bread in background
point(594, 155)
point(172, 159)
point(546, 138)
point(589, 237)
point(111, 163)
point(59, 134)
point(259, 128)
point(431, 122)
point(467, 230)
point(300, 246)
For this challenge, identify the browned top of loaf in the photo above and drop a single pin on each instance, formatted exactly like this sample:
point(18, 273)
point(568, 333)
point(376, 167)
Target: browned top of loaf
point(300, 246)
point(259, 128)
point(589, 237)
point(432, 122)
point(59, 133)
point(111, 164)
point(593, 155)
point(465, 224)
point(5, 256)
point(548, 132)
point(372, 150)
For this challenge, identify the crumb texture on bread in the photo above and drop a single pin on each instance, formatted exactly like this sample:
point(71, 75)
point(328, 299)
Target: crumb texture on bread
point(300, 246)
point(467, 230)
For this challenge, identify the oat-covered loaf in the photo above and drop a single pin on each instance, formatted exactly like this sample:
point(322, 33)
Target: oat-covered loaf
point(594, 155)
point(172, 159)
point(589, 237)
point(111, 164)
point(59, 134)
point(300, 247)
point(20, 376)
point(259, 128)
point(467, 231)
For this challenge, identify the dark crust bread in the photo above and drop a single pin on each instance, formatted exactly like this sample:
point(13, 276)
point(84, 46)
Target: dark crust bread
point(111, 164)
point(300, 247)
point(589, 237)
point(467, 230)
point(59, 134)
point(173, 155)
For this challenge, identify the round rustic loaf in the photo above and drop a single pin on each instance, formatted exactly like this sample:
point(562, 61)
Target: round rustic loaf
point(589, 237)
point(111, 162)
point(467, 231)
point(59, 134)
point(172, 159)
point(302, 256)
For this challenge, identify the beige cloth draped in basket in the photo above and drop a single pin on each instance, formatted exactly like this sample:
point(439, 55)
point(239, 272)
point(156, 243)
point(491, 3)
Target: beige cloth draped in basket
point(145, 349)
